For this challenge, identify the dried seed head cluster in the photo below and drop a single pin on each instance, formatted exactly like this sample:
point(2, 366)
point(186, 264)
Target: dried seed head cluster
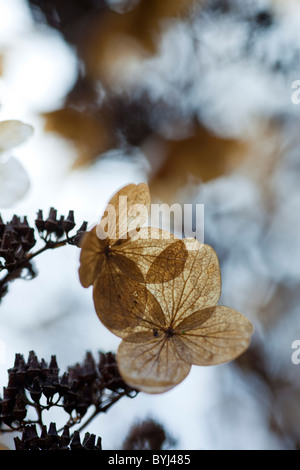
point(38, 384)
point(51, 440)
point(52, 225)
point(161, 299)
point(52, 228)
point(18, 238)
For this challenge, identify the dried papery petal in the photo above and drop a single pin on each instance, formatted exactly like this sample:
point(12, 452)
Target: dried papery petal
point(159, 255)
point(144, 255)
point(127, 266)
point(151, 323)
point(197, 287)
point(168, 264)
point(91, 258)
point(153, 366)
point(13, 133)
point(213, 336)
point(120, 217)
point(182, 326)
point(119, 301)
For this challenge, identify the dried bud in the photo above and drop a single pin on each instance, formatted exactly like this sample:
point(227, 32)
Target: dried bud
point(69, 222)
point(52, 436)
point(35, 390)
point(19, 411)
point(65, 437)
point(88, 442)
point(23, 226)
point(63, 385)
point(28, 240)
point(60, 227)
point(21, 369)
point(51, 223)
point(80, 233)
point(30, 437)
point(34, 368)
point(48, 387)
point(39, 221)
point(53, 367)
point(19, 445)
point(75, 443)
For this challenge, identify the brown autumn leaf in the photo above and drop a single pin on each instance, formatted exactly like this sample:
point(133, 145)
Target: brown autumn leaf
point(182, 325)
point(119, 256)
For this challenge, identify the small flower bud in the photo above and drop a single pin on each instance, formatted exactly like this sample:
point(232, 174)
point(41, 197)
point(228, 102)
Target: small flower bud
point(60, 228)
point(75, 443)
point(89, 441)
point(39, 221)
point(69, 222)
point(51, 223)
point(79, 234)
point(35, 390)
point(28, 241)
point(23, 226)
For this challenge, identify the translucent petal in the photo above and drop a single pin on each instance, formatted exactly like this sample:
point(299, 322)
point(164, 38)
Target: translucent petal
point(122, 216)
point(197, 287)
point(127, 266)
point(157, 253)
point(153, 321)
point(213, 336)
point(119, 301)
point(92, 258)
point(152, 366)
point(14, 182)
point(13, 133)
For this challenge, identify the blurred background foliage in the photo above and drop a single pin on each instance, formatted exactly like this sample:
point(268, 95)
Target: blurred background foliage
point(195, 96)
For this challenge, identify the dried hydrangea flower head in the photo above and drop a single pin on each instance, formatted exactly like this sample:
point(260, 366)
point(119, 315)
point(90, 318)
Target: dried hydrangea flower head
point(182, 325)
point(14, 181)
point(120, 256)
